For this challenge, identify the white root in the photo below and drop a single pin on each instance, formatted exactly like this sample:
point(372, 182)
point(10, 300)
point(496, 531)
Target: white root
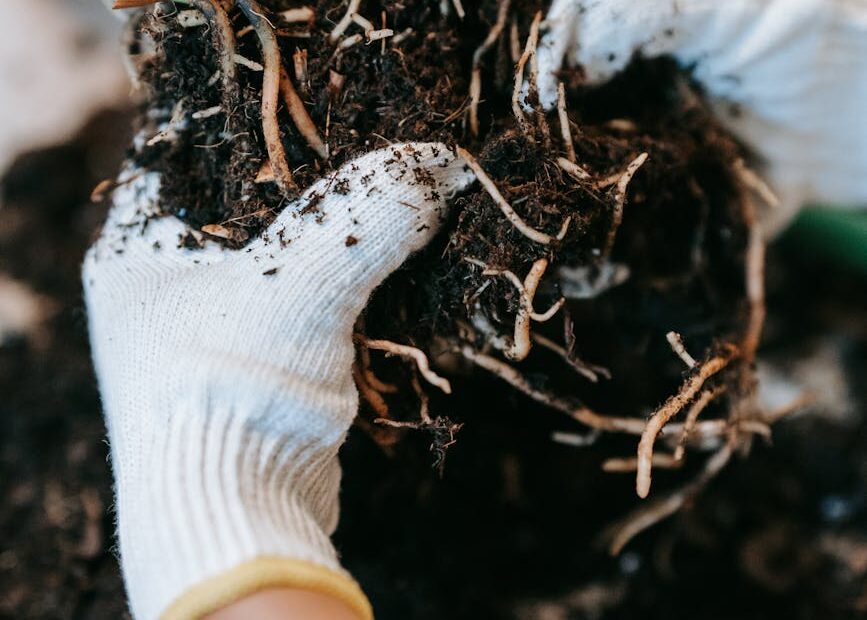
point(303, 14)
point(667, 411)
point(506, 208)
point(590, 372)
point(630, 464)
point(348, 42)
point(411, 353)
point(362, 21)
point(573, 169)
point(459, 8)
point(676, 343)
point(529, 50)
point(207, 112)
point(521, 343)
point(344, 22)
point(565, 130)
point(476, 76)
point(300, 117)
point(379, 35)
point(270, 94)
point(656, 511)
point(700, 404)
point(513, 377)
point(246, 62)
point(620, 201)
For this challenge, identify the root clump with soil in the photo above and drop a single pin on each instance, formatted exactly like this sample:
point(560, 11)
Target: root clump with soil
point(606, 266)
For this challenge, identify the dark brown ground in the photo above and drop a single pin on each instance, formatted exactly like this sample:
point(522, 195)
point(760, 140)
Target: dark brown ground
point(512, 522)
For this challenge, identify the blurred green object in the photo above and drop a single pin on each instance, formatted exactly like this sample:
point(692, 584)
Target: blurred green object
point(832, 235)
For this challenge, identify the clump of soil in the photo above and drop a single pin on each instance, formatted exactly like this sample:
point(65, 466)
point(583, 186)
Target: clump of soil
point(561, 273)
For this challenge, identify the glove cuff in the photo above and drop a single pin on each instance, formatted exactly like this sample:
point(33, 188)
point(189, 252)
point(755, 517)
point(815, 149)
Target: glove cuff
point(217, 503)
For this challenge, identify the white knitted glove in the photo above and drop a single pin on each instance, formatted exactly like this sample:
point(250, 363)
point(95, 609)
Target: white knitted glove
point(226, 378)
point(796, 68)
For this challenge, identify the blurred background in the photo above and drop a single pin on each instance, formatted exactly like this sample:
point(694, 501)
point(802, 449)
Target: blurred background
point(783, 534)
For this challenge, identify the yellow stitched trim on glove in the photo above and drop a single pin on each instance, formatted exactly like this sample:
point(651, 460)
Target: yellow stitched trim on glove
point(262, 573)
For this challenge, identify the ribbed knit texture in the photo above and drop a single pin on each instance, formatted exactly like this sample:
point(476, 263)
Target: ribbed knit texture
point(226, 375)
point(789, 77)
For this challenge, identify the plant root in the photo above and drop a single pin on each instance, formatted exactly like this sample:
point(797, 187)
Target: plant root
point(344, 22)
point(620, 201)
point(755, 281)
point(300, 116)
point(630, 464)
point(476, 75)
point(270, 92)
point(411, 353)
point(659, 509)
point(589, 371)
point(676, 343)
point(700, 404)
point(671, 408)
point(565, 130)
point(521, 342)
point(515, 219)
point(529, 50)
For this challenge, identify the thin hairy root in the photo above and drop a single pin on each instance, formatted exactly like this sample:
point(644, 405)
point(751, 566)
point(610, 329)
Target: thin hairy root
point(755, 281)
point(620, 201)
point(505, 207)
point(695, 410)
point(300, 116)
point(344, 22)
point(521, 343)
point(246, 62)
point(668, 410)
point(549, 313)
point(676, 343)
point(476, 75)
point(565, 130)
point(754, 182)
point(411, 353)
point(401, 36)
point(570, 167)
point(630, 464)
point(657, 510)
point(225, 37)
point(517, 380)
point(270, 93)
point(529, 50)
point(589, 371)
point(302, 14)
point(370, 395)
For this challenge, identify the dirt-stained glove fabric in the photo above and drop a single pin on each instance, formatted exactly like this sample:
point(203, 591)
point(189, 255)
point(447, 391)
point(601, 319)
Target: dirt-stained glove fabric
point(789, 77)
point(226, 377)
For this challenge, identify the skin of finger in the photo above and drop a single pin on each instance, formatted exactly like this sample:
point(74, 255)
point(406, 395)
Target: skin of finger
point(285, 604)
